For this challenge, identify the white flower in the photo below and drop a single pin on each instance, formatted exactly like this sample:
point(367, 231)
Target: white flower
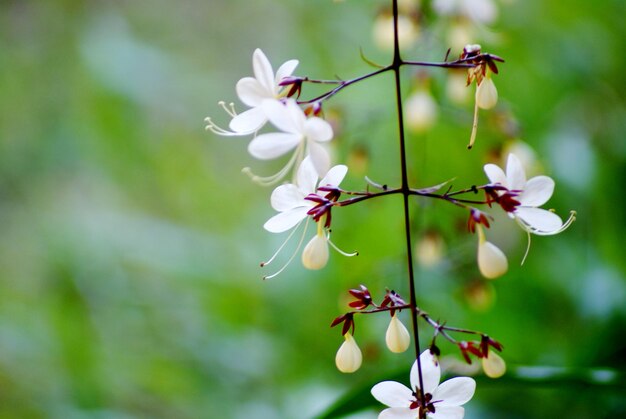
point(492, 262)
point(479, 11)
point(530, 194)
point(443, 401)
point(304, 134)
point(290, 200)
point(397, 337)
point(252, 91)
point(349, 357)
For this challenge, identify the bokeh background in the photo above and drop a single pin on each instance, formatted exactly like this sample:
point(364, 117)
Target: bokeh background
point(130, 284)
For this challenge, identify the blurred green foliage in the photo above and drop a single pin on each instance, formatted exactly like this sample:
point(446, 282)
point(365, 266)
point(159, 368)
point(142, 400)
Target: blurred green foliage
point(129, 278)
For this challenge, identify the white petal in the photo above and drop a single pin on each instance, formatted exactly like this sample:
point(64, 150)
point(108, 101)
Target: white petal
point(537, 191)
point(398, 413)
point(515, 174)
point(319, 157)
point(286, 197)
point(270, 146)
point(492, 262)
point(455, 391)
point(285, 70)
point(307, 177)
point(431, 372)
point(316, 129)
point(315, 253)
point(282, 116)
point(393, 394)
point(249, 121)
point(334, 176)
point(539, 219)
point(447, 412)
point(495, 174)
point(263, 70)
point(251, 92)
point(286, 220)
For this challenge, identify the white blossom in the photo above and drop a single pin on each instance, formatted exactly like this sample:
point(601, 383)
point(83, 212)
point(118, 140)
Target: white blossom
point(252, 91)
point(530, 194)
point(290, 200)
point(443, 401)
point(397, 337)
point(305, 135)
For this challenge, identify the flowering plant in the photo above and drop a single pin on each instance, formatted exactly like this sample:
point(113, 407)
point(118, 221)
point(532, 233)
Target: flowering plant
point(303, 130)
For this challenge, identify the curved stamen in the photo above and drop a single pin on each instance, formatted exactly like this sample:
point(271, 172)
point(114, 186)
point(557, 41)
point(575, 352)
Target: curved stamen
point(277, 177)
point(293, 254)
point(531, 229)
point(341, 252)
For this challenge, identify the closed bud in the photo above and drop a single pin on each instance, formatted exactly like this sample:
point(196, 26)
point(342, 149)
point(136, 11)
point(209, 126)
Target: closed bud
point(493, 365)
point(486, 94)
point(348, 358)
point(421, 111)
point(315, 253)
point(492, 262)
point(397, 337)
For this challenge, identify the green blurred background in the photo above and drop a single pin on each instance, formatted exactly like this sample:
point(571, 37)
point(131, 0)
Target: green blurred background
point(129, 276)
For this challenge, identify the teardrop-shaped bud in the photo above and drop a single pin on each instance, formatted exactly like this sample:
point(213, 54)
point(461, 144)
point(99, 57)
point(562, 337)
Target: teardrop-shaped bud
point(493, 365)
point(486, 94)
point(397, 338)
point(315, 253)
point(349, 357)
point(492, 262)
point(420, 111)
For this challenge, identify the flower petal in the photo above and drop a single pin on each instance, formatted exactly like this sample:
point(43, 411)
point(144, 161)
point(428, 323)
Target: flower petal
point(539, 219)
point(495, 174)
point(316, 129)
point(286, 220)
point(334, 176)
point(398, 413)
point(249, 121)
point(307, 177)
point(455, 391)
point(283, 115)
point(431, 372)
point(251, 92)
point(263, 71)
point(537, 191)
point(269, 146)
point(515, 173)
point(285, 70)
point(319, 157)
point(393, 394)
point(447, 412)
point(286, 197)
point(315, 253)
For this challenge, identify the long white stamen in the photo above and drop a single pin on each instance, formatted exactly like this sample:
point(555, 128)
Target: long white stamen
point(213, 127)
point(342, 252)
point(293, 230)
point(230, 109)
point(531, 229)
point(474, 126)
point(527, 249)
point(277, 177)
point(294, 253)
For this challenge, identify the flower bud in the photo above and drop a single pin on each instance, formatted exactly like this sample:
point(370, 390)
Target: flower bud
point(348, 358)
point(486, 94)
point(397, 337)
point(492, 262)
point(315, 253)
point(421, 111)
point(408, 31)
point(493, 365)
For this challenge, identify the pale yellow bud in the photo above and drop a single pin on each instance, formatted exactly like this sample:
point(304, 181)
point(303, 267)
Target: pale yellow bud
point(315, 253)
point(397, 337)
point(420, 111)
point(408, 31)
point(493, 365)
point(492, 262)
point(486, 94)
point(348, 358)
